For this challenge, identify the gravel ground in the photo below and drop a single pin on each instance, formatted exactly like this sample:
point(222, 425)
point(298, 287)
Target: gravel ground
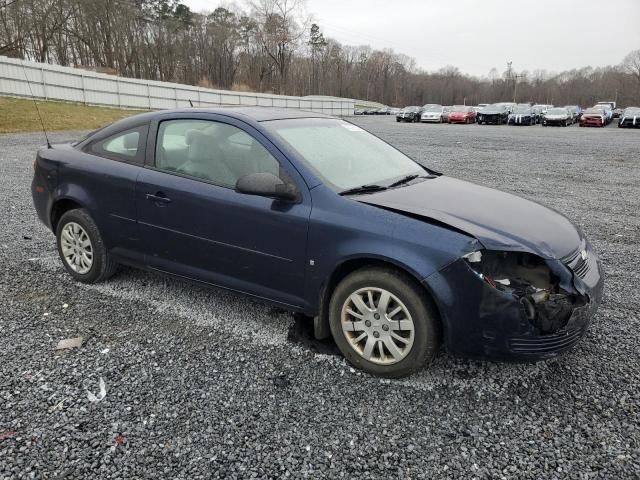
point(205, 384)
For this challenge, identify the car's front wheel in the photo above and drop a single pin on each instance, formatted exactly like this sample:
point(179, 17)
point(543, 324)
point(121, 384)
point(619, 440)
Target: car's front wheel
point(82, 249)
point(382, 322)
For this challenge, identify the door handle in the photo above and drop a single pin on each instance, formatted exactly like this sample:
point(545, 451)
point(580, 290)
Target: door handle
point(159, 198)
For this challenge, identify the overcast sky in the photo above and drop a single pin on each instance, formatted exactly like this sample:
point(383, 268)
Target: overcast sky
point(477, 35)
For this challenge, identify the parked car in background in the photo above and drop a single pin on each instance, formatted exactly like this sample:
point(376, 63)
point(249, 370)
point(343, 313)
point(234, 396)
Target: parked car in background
point(462, 114)
point(409, 114)
point(384, 111)
point(593, 117)
point(445, 112)
point(575, 111)
point(558, 116)
point(495, 113)
point(617, 112)
point(432, 113)
point(540, 109)
point(358, 111)
point(508, 105)
point(394, 111)
point(630, 118)
point(606, 108)
point(522, 115)
point(318, 216)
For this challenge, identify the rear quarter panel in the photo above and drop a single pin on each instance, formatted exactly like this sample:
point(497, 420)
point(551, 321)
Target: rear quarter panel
point(106, 188)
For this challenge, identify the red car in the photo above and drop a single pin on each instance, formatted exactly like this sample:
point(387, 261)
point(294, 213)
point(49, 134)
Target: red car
point(593, 117)
point(462, 114)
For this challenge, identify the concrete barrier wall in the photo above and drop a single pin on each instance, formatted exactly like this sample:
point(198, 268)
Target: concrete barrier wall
point(53, 82)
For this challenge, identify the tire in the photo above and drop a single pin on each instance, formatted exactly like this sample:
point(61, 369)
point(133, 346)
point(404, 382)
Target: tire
point(404, 294)
point(74, 229)
point(398, 120)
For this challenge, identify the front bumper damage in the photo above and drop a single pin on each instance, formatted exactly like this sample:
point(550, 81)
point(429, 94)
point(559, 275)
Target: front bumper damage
point(514, 318)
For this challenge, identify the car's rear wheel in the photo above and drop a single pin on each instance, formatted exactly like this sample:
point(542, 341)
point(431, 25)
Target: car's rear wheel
point(82, 249)
point(382, 322)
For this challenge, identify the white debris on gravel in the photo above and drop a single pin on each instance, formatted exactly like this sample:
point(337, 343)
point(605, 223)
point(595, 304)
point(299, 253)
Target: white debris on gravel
point(102, 393)
point(68, 343)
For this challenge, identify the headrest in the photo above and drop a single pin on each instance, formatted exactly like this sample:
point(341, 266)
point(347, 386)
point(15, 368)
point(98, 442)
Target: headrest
point(131, 140)
point(191, 135)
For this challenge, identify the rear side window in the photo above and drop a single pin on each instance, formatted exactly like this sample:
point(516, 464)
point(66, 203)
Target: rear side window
point(128, 146)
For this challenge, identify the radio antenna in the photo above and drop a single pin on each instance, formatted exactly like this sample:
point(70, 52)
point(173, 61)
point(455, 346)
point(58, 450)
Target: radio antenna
point(191, 103)
point(35, 103)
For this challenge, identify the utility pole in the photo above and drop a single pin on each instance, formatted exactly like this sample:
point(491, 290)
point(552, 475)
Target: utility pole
point(515, 87)
point(515, 77)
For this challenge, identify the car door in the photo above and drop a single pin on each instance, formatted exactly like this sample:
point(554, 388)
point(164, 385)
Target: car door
point(193, 223)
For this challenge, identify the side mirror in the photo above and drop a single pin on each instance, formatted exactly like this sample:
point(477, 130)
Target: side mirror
point(266, 185)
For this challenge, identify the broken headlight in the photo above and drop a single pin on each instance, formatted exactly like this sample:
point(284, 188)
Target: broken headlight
point(530, 281)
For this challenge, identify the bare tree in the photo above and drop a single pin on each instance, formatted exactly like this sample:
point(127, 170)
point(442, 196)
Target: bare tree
point(281, 29)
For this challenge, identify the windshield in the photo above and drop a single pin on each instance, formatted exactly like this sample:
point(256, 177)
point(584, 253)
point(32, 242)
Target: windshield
point(557, 111)
point(409, 109)
point(594, 110)
point(433, 108)
point(522, 110)
point(461, 108)
point(495, 106)
point(344, 155)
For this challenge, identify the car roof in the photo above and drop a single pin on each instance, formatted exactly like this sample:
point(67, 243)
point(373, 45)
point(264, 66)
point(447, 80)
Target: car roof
point(258, 114)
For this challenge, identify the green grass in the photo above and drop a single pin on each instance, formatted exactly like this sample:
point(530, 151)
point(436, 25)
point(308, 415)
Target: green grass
point(19, 115)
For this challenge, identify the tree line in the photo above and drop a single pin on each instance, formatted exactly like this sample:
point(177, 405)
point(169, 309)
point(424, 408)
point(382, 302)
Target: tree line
point(271, 46)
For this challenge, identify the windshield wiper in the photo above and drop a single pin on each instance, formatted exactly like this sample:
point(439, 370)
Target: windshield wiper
point(362, 189)
point(408, 178)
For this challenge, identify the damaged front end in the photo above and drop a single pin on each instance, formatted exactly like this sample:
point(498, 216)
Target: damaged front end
point(547, 299)
point(517, 305)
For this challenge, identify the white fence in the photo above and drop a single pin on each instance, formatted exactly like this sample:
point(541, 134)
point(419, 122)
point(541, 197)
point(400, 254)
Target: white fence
point(53, 82)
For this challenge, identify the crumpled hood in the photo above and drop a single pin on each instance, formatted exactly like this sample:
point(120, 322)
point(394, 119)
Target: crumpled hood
point(499, 220)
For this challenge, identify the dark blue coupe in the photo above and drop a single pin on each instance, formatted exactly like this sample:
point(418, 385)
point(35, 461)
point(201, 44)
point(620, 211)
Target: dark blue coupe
point(314, 213)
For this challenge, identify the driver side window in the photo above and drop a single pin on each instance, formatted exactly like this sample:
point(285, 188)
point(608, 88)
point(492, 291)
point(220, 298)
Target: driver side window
point(215, 152)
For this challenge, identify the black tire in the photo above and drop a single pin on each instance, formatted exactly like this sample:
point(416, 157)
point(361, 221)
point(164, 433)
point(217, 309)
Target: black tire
point(103, 266)
point(426, 324)
point(398, 120)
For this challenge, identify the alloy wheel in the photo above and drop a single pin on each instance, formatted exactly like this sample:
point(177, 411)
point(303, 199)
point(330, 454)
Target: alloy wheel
point(76, 248)
point(377, 325)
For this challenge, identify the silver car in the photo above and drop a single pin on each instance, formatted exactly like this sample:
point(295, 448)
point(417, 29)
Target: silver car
point(432, 113)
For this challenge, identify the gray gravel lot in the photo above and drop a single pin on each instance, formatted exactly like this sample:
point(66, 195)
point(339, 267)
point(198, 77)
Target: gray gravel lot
point(205, 384)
